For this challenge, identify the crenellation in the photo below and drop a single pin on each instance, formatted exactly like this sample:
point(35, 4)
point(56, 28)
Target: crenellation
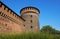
point(2, 7)
point(8, 10)
point(26, 8)
point(12, 14)
point(29, 9)
point(5, 9)
point(7, 17)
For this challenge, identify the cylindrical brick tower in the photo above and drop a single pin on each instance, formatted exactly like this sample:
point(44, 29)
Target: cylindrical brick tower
point(31, 17)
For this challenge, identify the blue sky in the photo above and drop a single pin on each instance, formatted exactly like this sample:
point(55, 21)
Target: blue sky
point(49, 10)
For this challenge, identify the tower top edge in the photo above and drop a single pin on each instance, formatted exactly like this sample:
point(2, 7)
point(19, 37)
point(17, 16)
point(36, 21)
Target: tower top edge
point(30, 7)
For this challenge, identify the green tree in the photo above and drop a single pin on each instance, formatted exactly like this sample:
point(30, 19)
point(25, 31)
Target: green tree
point(49, 29)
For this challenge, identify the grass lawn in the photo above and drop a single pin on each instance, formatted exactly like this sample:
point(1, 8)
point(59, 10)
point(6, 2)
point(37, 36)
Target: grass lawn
point(29, 36)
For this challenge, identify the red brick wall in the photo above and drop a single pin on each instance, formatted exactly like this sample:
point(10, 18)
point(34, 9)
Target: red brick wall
point(9, 21)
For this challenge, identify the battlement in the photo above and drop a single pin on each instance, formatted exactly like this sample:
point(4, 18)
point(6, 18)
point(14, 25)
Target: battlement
point(29, 9)
point(6, 10)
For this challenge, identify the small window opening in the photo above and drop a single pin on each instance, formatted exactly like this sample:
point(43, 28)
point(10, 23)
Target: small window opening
point(31, 21)
point(5, 24)
point(31, 15)
point(24, 25)
point(31, 26)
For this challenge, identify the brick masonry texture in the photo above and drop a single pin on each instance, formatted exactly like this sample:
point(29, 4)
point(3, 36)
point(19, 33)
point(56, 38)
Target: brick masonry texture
point(11, 22)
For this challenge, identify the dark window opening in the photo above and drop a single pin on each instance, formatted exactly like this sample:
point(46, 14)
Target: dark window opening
point(8, 10)
point(31, 21)
point(5, 24)
point(31, 15)
point(4, 8)
point(0, 12)
point(31, 26)
point(24, 25)
point(0, 5)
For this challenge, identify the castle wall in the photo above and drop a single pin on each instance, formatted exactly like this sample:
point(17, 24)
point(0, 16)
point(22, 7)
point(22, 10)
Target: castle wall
point(9, 20)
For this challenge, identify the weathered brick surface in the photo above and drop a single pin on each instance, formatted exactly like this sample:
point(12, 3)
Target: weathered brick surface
point(11, 22)
point(31, 17)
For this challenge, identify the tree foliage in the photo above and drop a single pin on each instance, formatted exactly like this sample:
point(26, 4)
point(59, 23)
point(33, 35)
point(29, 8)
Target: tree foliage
point(49, 29)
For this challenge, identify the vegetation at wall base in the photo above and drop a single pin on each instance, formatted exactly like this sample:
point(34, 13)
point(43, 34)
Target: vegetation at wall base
point(47, 32)
point(30, 36)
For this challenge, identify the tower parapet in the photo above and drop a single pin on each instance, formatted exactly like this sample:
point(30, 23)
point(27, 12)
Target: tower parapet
point(29, 10)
